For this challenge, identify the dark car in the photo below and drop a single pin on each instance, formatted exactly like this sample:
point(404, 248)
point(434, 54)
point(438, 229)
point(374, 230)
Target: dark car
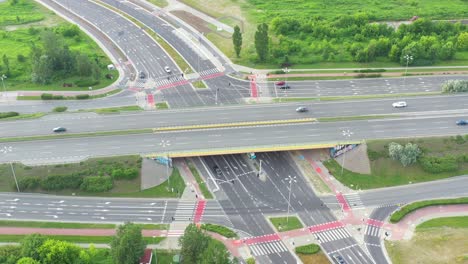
point(462, 122)
point(285, 87)
point(339, 259)
point(59, 129)
point(301, 109)
point(280, 83)
point(217, 169)
point(142, 75)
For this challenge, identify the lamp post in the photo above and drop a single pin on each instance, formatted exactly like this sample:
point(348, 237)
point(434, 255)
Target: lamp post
point(3, 83)
point(5, 150)
point(291, 180)
point(164, 144)
point(408, 58)
point(347, 134)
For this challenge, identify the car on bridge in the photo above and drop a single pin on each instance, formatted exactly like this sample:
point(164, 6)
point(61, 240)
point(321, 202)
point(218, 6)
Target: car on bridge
point(462, 122)
point(399, 104)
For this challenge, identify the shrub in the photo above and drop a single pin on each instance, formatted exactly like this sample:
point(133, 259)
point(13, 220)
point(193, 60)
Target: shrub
point(86, 82)
point(438, 164)
point(29, 183)
point(372, 75)
point(8, 114)
point(250, 261)
point(58, 97)
point(308, 249)
point(47, 96)
point(374, 155)
point(406, 155)
point(60, 109)
point(370, 70)
point(455, 86)
point(82, 96)
point(125, 174)
point(21, 58)
point(97, 184)
point(222, 230)
point(459, 139)
point(60, 182)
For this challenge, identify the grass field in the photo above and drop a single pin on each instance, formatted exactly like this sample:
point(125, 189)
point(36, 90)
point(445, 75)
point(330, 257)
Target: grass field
point(6, 223)
point(452, 222)
point(114, 110)
point(164, 256)
point(387, 172)
point(435, 245)
point(283, 224)
point(318, 258)
point(22, 13)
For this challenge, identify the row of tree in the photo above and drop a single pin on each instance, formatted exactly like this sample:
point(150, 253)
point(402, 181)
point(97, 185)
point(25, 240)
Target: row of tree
point(355, 38)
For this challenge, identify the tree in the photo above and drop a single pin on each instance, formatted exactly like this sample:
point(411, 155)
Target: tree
point(215, 253)
point(6, 62)
point(25, 260)
point(84, 65)
point(127, 246)
point(395, 151)
point(237, 40)
point(59, 252)
point(42, 70)
point(31, 244)
point(407, 155)
point(10, 254)
point(261, 42)
point(462, 41)
point(193, 243)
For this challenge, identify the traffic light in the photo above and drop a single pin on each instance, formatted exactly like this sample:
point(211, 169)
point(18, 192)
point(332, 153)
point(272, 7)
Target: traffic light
point(232, 181)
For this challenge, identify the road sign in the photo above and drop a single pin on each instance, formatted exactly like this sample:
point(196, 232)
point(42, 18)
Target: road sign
point(252, 155)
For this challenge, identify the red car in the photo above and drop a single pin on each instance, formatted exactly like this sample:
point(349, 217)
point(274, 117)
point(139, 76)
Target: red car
point(280, 83)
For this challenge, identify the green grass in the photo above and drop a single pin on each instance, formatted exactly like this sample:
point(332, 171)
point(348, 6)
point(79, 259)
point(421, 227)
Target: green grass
point(22, 13)
point(160, 3)
point(308, 249)
point(283, 224)
point(452, 222)
point(204, 189)
point(78, 135)
point(6, 223)
point(78, 239)
point(405, 210)
point(115, 109)
point(160, 191)
point(222, 230)
point(24, 116)
point(351, 118)
point(164, 256)
point(162, 106)
point(198, 84)
point(33, 97)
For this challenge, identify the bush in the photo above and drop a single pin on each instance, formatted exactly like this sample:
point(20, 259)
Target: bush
point(374, 155)
point(438, 164)
point(82, 96)
point(403, 211)
point(21, 58)
point(455, 86)
point(60, 109)
point(97, 184)
point(125, 174)
point(86, 82)
point(370, 70)
point(250, 261)
point(308, 249)
point(29, 183)
point(459, 140)
point(58, 97)
point(372, 75)
point(60, 182)
point(406, 155)
point(222, 230)
point(8, 114)
point(46, 96)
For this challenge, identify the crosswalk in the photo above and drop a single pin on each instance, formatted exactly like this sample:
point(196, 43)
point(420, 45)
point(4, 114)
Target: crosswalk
point(184, 211)
point(331, 235)
point(354, 201)
point(208, 72)
point(139, 83)
point(165, 81)
point(373, 230)
point(268, 248)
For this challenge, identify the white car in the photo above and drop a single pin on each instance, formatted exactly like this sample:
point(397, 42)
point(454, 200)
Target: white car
point(399, 104)
point(167, 69)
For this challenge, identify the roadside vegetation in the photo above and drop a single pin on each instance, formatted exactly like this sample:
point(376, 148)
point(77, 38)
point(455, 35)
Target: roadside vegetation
point(283, 224)
point(16, 116)
point(202, 184)
point(407, 209)
point(440, 240)
point(311, 254)
point(58, 57)
point(115, 110)
point(222, 230)
point(440, 157)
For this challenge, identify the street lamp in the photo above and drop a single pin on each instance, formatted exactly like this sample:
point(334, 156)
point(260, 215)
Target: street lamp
point(5, 150)
point(291, 180)
point(4, 89)
point(164, 144)
point(286, 71)
point(347, 134)
point(408, 58)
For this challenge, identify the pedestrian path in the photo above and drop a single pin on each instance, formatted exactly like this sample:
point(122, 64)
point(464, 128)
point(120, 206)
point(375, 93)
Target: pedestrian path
point(354, 201)
point(332, 235)
point(184, 211)
point(268, 248)
point(373, 231)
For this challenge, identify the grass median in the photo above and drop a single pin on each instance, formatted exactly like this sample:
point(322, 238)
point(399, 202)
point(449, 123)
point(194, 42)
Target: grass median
point(69, 225)
point(407, 209)
point(283, 224)
point(204, 189)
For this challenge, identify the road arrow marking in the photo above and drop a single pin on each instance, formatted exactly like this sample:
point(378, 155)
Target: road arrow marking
point(100, 217)
point(14, 200)
point(104, 210)
point(59, 202)
point(54, 216)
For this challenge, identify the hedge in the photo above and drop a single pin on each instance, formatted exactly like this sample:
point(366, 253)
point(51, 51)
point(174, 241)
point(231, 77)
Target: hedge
point(60, 182)
point(82, 96)
point(438, 164)
point(86, 82)
point(222, 230)
point(46, 96)
point(28, 183)
point(403, 211)
point(8, 114)
point(126, 174)
point(308, 249)
point(97, 184)
point(60, 109)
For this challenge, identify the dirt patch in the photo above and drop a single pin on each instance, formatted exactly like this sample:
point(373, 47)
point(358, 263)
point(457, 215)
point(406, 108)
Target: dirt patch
point(437, 246)
point(196, 22)
point(356, 160)
point(318, 258)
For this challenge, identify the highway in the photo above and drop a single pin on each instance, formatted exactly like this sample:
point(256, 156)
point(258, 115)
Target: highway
point(91, 122)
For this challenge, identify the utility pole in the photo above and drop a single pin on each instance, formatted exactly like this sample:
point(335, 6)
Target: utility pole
point(290, 179)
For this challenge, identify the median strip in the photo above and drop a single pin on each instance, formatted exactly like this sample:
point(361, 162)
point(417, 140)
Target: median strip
point(237, 124)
